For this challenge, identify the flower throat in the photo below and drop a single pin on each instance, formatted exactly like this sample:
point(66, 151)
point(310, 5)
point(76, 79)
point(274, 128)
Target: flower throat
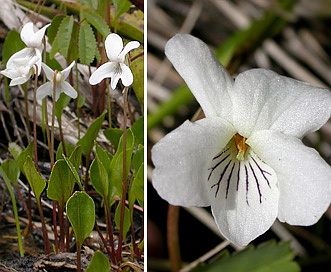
point(241, 146)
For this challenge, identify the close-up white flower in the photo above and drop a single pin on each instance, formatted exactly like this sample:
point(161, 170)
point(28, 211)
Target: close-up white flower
point(246, 158)
point(22, 65)
point(116, 68)
point(61, 85)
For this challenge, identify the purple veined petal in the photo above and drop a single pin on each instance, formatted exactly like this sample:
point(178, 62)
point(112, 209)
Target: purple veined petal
point(263, 99)
point(244, 195)
point(207, 79)
point(128, 47)
point(114, 46)
point(44, 90)
point(68, 89)
point(182, 158)
point(66, 72)
point(48, 71)
point(127, 77)
point(304, 178)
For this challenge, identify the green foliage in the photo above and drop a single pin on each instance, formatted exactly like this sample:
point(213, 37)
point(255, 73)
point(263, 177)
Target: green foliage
point(136, 191)
point(91, 134)
point(113, 135)
point(268, 257)
point(138, 131)
point(98, 263)
point(81, 214)
point(116, 166)
point(61, 183)
point(137, 68)
point(20, 155)
point(96, 21)
point(87, 43)
point(53, 29)
point(59, 152)
point(121, 6)
point(100, 178)
point(60, 104)
point(12, 44)
point(36, 182)
point(132, 25)
point(126, 222)
point(12, 171)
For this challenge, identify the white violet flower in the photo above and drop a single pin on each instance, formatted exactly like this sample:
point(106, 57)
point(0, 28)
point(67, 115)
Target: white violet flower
point(245, 159)
point(61, 84)
point(116, 68)
point(21, 65)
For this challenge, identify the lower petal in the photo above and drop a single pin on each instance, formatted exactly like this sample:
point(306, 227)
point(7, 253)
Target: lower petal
point(304, 178)
point(244, 195)
point(181, 160)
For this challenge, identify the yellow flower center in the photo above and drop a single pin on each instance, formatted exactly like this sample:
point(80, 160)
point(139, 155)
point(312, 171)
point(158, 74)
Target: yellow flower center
point(241, 146)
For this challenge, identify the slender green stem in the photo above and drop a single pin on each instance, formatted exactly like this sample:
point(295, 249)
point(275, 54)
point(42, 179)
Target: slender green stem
point(47, 244)
point(173, 239)
point(109, 105)
point(53, 119)
point(110, 232)
point(124, 185)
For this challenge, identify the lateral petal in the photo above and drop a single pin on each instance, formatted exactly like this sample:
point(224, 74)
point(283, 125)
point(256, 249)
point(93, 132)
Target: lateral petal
point(44, 90)
point(304, 178)
point(68, 89)
point(181, 160)
point(207, 79)
point(48, 71)
point(263, 99)
point(105, 70)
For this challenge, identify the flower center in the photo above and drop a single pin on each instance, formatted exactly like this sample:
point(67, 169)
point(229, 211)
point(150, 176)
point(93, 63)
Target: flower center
point(241, 146)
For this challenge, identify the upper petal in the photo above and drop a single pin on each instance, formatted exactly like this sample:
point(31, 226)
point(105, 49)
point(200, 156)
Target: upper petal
point(114, 46)
point(48, 71)
point(304, 178)
point(182, 157)
point(244, 195)
point(105, 70)
point(209, 82)
point(31, 38)
point(128, 47)
point(263, 99)
point(65, 73)
point(127, 77)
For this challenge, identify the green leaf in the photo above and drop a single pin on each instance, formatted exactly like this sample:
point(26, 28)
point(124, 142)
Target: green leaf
point(15, 150)
point(138, 158)
point(53, 29)
point(121, 6)
point(136, 191)
point(91, 3)
point(59, 151)
point(131, 25)
point(138, 131)
point(113, 135)
point(61, 183)
point(96, 21)
point(87, 43)
point(91, 134)
point(24, 155)
point(62, 40)
point(127, 221)
point(60, 104)
point(36, 182)
point(73, 164)
point(12, 171)
point(137, 68)
point(116, 166)
point(99, 178)
point(81, 214)
point(270, 257)
point(104, 156)
point(98, 263)
point(12, 44)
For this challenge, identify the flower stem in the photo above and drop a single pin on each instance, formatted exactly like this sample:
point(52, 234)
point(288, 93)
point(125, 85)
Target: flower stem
point(124, 187)
point(35, 118)
point(172, 238)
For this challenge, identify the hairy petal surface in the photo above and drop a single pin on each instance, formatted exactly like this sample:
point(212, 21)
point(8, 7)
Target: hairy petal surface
point(263, 99)
point(244, 195)
point(181, 160)
point(207, 79)
point(304, 178)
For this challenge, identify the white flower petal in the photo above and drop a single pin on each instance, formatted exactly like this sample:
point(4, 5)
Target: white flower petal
point(66, 72)
point(126, 76)
point(21, 58)
point(244, 195)
point(48, 71)
point(19, 80)
point(105, 70)
point(181, 160)
point(263, 99)
point(68, 89)
point(128, 47)
point(115, 78)
point(204, 75)
point(304, 178)
point(114, 46)
point(44, 90)
point(31, 38)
